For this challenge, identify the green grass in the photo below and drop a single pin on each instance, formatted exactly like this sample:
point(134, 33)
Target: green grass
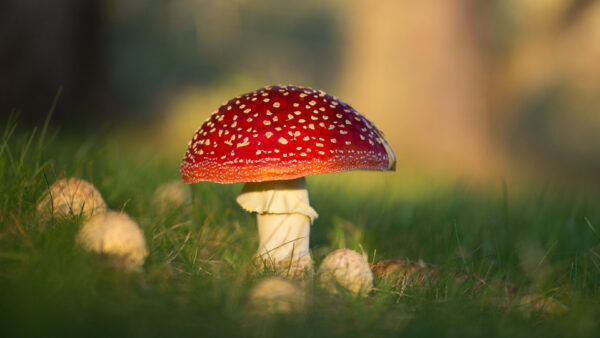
point(199, 273)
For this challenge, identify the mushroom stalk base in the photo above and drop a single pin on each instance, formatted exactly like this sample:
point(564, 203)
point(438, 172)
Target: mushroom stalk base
point(284, 216)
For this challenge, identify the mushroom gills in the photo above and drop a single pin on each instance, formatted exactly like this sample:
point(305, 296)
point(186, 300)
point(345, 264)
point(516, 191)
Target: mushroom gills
point(284, 216)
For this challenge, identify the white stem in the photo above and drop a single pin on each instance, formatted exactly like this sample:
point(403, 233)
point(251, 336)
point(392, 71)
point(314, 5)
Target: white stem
point(284, 218)
point(283, 236)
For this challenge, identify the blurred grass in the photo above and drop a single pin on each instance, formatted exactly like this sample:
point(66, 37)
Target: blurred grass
point(545, 239)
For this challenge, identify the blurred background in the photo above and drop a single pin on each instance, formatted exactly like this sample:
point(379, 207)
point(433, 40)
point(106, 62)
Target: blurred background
point(482, 89)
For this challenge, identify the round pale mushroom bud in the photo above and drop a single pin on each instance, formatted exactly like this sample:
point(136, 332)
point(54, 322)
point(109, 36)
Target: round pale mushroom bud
point(272, 138)
point(346, 268)
point(70, 197)
point(116, 236)
point(171, 194)
point(275, 295)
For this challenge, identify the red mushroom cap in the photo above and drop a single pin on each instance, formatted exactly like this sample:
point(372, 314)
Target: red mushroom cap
point(281, 133)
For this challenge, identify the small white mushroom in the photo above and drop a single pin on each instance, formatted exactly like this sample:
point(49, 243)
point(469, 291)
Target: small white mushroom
point(171, 194)
point(276, 296)
point(346, 268)
point(117, 236)
point(70, 197)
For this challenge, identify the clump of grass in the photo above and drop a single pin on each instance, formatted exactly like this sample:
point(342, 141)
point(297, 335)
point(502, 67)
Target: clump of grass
point(200, 271)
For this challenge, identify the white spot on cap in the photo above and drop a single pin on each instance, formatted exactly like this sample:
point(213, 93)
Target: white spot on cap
point(276, 104)
point(282, 140)
point(266, 122)
point(268, 134)
point(243, 144)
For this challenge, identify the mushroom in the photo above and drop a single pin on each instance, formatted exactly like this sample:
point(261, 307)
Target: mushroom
point(271, 139)
point(346, 268)
point(276, 296)
point(70, 197)
point(116, 236)
point(171, 194)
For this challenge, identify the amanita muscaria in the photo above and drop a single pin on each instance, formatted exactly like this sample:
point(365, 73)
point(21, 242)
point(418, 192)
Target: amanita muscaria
point(272, 138)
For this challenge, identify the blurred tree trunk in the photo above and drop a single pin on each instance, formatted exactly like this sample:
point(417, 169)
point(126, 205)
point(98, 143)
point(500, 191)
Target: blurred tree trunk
point(417, 69)
point(45, 46)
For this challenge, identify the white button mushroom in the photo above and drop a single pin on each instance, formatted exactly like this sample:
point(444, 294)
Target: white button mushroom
point(276, 296)
point(70, 197)
point(171, 194)
point(346, 268)
point(117, 236)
